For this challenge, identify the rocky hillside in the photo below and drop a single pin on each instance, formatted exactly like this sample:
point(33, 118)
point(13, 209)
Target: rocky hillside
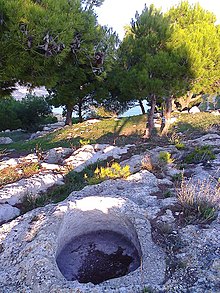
point(156, 201)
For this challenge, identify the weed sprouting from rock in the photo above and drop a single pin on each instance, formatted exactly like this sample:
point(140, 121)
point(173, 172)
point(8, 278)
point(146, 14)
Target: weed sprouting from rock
point(110, 172)
point(165, 158)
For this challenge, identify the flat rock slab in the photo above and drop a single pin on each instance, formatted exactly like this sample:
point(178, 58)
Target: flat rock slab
point(8, 212)
point(31, 244)
point(14, 193)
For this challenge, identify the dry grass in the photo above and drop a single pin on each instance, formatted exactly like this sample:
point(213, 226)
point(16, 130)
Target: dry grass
point(13, 174)
point(200, 200)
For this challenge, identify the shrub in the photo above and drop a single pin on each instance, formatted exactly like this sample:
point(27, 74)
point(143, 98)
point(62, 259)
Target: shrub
point(180, 146)
point(156, 164)
point(8, 115)
point(165, 158)
point(177, 177)
point(199, 200)
point(28, 113)
point(30, 169)
point(176, 140)
point(8, 175)
point(112, 172)
point(85, 141)
point(200, 154)
point(75, 120)
point(31, 111)
point(49, 119)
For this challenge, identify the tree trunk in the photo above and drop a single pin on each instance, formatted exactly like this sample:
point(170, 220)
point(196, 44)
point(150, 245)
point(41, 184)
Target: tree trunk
point(80, 111)
point(166, 116)
point(142, 107)
point(150, 118)
point(69, 113)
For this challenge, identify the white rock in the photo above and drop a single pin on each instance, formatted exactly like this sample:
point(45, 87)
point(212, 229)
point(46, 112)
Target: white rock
point(172, 171)
point(51, 167)
point(13, 193)
point(89, 154)
point(5, 140)
point(32, 243)
point(56, 155)
point(207, 139)
point(173, 119)
point(29, 158)
point(135, 163)
point(10, 162)
point(46, 128)
point(194, 110)
point(52, 157)
point(167, 217)
point(7, 212)
point(92, 121)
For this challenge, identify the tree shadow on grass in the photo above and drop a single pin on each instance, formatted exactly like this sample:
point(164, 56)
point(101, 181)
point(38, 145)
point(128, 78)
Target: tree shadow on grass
point(189, 130)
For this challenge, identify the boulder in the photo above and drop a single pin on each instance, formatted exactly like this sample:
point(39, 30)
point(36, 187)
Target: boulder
point(90, 154)
point(7, 212)
point(56, 155)
point(135, 163)
point(5, 140)
point(194, 110)
point(15, 192)
point(212, 139)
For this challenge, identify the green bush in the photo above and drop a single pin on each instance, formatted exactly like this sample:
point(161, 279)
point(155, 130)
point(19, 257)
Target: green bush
point(31, 111)
point(27, 114)
point(8, 115)
point(110, 172)
point(165, 157)
point(75, 120)
point(200, 154)
point(180, 146)
point(49, 119)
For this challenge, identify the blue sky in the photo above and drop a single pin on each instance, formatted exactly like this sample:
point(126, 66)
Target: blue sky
point(118, 13)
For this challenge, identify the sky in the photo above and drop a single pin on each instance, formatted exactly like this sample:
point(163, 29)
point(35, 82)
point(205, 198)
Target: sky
point(118, 13)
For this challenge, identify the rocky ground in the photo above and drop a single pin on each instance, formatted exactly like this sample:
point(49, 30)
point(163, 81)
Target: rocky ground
point(177, 255)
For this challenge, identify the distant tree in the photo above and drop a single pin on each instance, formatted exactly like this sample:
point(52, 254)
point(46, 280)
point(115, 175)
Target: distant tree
point(8, 115)
point(27, 114)
point(31, 111)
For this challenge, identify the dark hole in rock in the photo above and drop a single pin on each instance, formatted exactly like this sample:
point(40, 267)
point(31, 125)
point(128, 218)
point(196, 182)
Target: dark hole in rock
point(98, 256)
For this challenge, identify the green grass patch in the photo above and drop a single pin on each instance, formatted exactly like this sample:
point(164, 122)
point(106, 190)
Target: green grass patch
point(118, 131)
point(192, 125)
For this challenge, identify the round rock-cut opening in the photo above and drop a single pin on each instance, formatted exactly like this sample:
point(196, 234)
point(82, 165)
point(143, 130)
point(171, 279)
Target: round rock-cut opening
point(98, 256)
point(95, 246)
